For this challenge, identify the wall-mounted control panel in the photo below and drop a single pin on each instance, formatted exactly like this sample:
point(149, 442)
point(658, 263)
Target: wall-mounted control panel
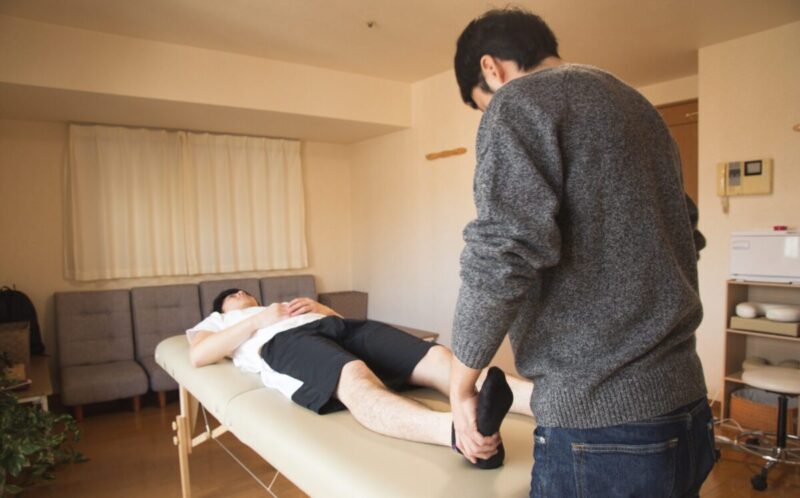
point(752, 177)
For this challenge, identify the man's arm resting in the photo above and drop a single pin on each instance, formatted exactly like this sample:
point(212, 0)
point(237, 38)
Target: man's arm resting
point(303, 305)
point(209, 347)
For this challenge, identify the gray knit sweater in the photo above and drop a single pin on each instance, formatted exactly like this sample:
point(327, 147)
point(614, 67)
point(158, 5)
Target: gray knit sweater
point(584, 251)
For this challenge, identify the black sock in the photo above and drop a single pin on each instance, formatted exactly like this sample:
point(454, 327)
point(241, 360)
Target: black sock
point(494, 401)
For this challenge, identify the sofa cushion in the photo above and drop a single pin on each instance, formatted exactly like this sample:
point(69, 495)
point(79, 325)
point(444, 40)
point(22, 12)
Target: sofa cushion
point(85, 384)
point(160, 312)
point(94, 327)
point(349, 304)
point(284, 289)
point(211, 289)
point(159, 379)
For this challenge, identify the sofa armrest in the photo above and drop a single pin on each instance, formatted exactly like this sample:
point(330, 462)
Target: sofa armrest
point(425, 335)
point(349, 304)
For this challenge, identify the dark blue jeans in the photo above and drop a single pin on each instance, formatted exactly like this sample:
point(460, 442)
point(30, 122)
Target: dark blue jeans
point(669, 455)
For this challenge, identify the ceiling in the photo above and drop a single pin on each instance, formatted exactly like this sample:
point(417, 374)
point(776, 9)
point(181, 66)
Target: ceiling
point(53, 104)
point(642, 41)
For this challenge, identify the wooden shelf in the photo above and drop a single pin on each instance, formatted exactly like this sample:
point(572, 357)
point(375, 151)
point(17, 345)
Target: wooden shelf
point(765, 335)
point(763, 284)
point(735, 377)
point(41, 387)
point(736, 343)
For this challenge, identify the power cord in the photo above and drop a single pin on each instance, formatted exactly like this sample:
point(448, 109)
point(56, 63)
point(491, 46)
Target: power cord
point(727, 423)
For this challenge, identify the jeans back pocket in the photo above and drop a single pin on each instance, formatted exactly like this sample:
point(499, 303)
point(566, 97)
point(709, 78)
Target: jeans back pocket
point(631, 470)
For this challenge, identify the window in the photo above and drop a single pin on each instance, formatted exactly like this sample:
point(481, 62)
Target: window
point(142, 202)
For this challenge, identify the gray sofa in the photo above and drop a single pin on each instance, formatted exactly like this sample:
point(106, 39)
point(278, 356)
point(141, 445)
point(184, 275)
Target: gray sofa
point(107, 339)
point(160, 312)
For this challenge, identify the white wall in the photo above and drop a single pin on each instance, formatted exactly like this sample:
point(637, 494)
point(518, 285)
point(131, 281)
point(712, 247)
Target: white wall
point(409, 213)
point(749, 91)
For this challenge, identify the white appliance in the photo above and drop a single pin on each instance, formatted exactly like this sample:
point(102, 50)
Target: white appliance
point(766, 256)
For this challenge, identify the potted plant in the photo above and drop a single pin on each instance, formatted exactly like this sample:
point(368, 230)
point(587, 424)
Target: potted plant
point(32, 441)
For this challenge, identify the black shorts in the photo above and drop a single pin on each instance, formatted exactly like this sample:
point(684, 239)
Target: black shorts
point(315, 354)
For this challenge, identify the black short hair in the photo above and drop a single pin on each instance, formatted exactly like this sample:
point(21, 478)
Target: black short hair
point(221, 299)
point(509, 34)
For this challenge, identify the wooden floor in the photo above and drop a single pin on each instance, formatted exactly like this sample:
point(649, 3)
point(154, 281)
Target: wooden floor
point(133, 456)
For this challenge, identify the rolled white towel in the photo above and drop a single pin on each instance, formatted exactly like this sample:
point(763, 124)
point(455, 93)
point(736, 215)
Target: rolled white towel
point(773, 311)
point(752, 362)
point(784, 314)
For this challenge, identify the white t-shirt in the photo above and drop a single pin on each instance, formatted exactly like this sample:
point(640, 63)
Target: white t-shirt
point(247, 356)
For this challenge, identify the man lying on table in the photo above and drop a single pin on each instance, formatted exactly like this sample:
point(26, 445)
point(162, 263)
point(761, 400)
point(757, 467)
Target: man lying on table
point(325, 363)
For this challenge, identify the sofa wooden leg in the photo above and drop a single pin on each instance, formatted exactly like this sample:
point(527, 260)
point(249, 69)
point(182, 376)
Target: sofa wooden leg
point(162, 399)
point(78, 413)
point(137, 404)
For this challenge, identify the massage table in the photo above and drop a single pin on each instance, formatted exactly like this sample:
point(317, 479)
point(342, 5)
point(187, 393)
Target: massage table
point(332, 455)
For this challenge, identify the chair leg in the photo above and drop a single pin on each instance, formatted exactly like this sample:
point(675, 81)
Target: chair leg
point(783, 407)
point(137, 404)
point(162, 399)
point(759, 481)
point(78, 412)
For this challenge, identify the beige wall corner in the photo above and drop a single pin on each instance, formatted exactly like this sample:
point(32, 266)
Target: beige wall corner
point(667, 92)
point(408, 212)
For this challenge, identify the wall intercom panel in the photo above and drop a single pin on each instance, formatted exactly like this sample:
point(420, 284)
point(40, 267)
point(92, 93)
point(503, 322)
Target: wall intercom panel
point(744, 177)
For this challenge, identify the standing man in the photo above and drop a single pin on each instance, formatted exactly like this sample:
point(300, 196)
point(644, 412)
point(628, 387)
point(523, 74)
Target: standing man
point(584, 251)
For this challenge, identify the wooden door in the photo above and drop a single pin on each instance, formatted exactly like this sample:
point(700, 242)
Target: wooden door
point(681, 117)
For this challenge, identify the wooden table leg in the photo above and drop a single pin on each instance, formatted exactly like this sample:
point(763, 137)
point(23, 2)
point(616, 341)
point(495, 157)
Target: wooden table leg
point(162, 399)
point(189, 409)
point(78, 412)
point(183, 427)
point(137, 404)
point(184, 442)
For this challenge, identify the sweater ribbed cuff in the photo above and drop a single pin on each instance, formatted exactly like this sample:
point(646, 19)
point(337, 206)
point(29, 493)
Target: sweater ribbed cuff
point(472, 354)
point(479, 326)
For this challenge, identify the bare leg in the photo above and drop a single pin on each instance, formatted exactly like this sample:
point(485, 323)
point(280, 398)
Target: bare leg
point(434, 371)
point(380, 410)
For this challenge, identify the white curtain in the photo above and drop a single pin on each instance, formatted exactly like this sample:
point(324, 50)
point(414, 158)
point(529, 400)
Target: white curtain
point(144, 203)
